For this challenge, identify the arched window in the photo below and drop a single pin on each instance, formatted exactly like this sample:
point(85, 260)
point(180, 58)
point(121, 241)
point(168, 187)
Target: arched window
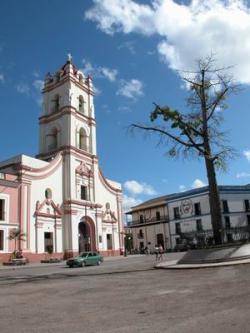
point(80, 78)
point(56, 103)
point(53, 139)
point(48, 193)
point(83, 140)
point(81, 104)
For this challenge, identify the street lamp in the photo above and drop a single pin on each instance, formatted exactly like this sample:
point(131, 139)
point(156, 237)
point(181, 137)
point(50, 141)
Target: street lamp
point(126, 240)
point(125, 249)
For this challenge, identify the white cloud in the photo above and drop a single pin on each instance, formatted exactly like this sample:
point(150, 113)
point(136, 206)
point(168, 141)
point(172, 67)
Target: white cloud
point(130, 89)
point(33, 90)
point(88, 69)
point(198, 183)
point(187, 31)
point(36, 74)
point(97, 91)
point(36, 94)
point(98, 71)
point(182, 188)
point(135, 187)
point(246, 153)
point(38, 84)
point(124, 108)
point(23, 88)
point(129, 202)
point(2, 78)
point(242, 175)
point(108, 73)
point(129, 45)
point(122, 15)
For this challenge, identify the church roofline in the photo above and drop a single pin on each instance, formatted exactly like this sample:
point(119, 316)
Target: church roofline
point(68, 72)
point(33, 168)
point(9, 183)
point(24, 160)
point(108, 185)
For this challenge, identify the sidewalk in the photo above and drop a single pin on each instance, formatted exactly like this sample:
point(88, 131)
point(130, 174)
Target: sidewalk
point(173, 264)
point(62, 263)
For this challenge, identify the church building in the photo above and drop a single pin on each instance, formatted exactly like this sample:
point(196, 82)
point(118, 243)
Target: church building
point(60, 199)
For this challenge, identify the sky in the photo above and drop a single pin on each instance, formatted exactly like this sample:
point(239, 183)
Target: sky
point(133, 50)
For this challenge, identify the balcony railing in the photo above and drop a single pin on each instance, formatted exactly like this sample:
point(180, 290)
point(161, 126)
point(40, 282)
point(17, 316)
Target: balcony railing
point(237, 233)
point(163, 219)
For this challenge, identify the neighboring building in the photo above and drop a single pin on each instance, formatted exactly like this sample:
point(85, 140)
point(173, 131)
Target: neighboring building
point(149, 225)
point(188, 219)
point(61, 198)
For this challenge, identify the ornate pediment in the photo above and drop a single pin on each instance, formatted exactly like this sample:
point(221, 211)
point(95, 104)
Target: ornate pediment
point(48, 209)
point(84, 170)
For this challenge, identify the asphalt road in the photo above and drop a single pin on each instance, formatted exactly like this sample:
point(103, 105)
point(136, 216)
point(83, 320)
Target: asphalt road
point(124, 295)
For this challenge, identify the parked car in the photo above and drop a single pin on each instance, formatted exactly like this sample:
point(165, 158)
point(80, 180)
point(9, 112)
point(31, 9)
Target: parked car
point(85, 259)
point(181, 247)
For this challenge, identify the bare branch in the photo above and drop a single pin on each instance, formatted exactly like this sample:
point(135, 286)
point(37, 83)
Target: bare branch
point(163, 132)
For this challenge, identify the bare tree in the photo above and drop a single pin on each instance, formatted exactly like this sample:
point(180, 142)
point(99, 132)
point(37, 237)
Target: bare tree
point(198, 132)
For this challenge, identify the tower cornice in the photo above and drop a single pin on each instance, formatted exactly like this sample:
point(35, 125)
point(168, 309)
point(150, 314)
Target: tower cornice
point(68, 150)
point(66, 110)
point(70, 78)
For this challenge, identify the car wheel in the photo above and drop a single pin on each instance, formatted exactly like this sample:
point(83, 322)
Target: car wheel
point(70, 266)
point(98, 262)
point(80, 264)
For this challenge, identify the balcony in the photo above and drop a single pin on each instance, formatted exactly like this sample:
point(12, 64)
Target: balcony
point(152, 220)
point(237, 234)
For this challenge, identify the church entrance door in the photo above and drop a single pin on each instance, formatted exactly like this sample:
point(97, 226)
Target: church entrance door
point(86, 230)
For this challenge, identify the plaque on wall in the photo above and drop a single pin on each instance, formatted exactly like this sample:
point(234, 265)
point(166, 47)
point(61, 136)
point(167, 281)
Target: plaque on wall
point(186, 207)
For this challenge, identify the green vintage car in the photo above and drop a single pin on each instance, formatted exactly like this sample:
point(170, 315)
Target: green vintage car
point(85, 259)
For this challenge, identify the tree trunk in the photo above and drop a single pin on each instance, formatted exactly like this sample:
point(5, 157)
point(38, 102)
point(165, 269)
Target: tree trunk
point(214, 200)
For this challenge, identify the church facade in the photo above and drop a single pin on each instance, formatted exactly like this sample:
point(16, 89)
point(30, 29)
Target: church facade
point(60, 199)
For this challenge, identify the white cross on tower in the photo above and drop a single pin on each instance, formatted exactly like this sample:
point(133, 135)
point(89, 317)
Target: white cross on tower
point(69, 57)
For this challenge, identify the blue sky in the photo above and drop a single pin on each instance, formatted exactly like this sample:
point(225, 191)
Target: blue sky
point(131, 49)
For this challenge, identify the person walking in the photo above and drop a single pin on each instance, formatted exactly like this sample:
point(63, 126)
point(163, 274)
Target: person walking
point(156, 252)
point(161, 251)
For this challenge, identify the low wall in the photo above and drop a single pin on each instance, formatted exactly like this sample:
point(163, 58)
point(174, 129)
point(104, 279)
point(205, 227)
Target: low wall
point(213, 255)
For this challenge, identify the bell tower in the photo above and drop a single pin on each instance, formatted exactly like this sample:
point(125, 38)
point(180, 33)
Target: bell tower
point(68, 119)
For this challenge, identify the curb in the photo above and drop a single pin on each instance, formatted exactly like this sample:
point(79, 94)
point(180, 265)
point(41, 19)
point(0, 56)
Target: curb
point(175, 265)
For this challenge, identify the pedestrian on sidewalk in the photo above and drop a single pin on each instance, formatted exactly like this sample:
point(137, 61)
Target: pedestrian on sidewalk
point(161, 251)
point(156, 252)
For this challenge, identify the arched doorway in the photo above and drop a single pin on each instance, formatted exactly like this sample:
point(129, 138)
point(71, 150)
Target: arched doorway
point(86, 229)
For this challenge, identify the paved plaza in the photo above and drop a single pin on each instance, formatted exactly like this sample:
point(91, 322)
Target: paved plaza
point(124, 295)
